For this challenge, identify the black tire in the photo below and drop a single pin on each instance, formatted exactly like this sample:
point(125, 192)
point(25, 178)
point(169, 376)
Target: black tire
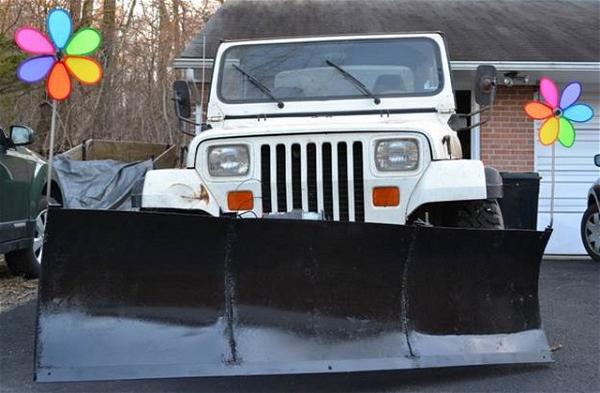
point(590, 232)
point(481, 214)
point(27, 262)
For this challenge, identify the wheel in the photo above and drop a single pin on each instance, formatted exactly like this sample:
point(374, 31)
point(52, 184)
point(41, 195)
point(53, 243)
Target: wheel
point(28, 261)
point(590, 232)
point(482, 214)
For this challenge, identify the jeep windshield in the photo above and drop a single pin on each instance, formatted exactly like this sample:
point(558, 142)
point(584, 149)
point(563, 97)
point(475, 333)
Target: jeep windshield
point(303, 71)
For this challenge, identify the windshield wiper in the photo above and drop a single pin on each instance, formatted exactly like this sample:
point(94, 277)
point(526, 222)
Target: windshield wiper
point(266, 91)
point(363, 89)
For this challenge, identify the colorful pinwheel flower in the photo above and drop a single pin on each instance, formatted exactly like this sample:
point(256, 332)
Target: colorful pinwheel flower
point(65, 54)
point(558, 114)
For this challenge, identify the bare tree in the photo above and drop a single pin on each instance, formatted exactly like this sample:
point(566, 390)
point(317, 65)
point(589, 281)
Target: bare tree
point(86, 12)
point(141, 38)
point(75, 10)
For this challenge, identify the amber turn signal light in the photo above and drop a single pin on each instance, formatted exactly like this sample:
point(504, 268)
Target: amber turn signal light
point(240, 200)
point(386, 196)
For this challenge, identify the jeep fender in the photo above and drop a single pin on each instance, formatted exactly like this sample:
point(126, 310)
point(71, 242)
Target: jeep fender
point(494, 183)
point(449, 180)
point(177, 189)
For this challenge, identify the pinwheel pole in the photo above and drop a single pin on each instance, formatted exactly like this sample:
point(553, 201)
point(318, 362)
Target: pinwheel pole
point(51, 148)
point(553, 176)
point(58, 58)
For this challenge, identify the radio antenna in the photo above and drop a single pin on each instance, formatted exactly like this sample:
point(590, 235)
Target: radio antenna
point(203, 79)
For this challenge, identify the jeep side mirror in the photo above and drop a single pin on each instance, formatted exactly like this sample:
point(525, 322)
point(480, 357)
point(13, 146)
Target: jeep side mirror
point(485, 85)
point(21, 135)
point(183, 106)
point(597, 160)
point(181, 96)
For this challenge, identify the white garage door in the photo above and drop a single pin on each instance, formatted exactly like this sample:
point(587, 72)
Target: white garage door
point(575, 173)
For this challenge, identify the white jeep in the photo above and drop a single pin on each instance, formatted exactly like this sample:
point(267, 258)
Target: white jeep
point(345, 128)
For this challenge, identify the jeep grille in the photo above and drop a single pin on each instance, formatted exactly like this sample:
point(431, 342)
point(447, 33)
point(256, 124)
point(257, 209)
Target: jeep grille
point(314, 177)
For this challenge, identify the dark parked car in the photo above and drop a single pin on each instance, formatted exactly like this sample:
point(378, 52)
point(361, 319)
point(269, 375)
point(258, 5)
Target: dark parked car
point(23, 203)
point(590, 222)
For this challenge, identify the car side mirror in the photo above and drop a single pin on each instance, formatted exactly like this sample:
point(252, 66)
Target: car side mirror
point(597, 160)
point(4, 143)
point(181, 96)
point(485, 85)
point(21, 135)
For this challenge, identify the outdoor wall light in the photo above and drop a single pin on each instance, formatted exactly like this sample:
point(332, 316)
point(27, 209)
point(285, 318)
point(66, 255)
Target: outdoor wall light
point(512, 77)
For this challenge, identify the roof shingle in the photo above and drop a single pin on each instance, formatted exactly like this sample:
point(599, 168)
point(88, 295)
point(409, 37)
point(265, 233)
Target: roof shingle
point(476, 30)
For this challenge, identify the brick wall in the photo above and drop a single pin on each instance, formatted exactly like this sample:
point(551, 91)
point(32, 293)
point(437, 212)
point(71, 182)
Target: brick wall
point(507, 141)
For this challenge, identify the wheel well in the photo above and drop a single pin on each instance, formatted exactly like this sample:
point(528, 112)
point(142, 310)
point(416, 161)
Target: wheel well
point(431, 212)
point(436, 213)
point(176, 211)
point(55, 192)
point(476, 213)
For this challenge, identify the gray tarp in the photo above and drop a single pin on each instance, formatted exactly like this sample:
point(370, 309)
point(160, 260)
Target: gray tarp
point(98, 184)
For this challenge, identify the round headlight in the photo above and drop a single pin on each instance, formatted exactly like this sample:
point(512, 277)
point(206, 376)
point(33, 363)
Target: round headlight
point(228, 160)
point(397, 155)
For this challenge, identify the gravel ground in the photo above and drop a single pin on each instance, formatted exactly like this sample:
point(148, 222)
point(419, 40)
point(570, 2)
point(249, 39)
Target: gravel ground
point(14, 290)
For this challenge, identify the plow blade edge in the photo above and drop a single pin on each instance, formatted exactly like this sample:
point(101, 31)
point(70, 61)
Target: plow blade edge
point(126, 295)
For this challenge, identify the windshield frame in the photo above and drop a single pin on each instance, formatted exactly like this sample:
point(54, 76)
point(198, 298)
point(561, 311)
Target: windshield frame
point(266, 100)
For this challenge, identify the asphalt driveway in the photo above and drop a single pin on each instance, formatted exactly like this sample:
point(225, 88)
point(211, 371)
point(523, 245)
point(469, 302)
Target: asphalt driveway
point(570, 302)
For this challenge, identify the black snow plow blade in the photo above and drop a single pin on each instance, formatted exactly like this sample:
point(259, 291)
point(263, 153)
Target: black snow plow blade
point(127, 295)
